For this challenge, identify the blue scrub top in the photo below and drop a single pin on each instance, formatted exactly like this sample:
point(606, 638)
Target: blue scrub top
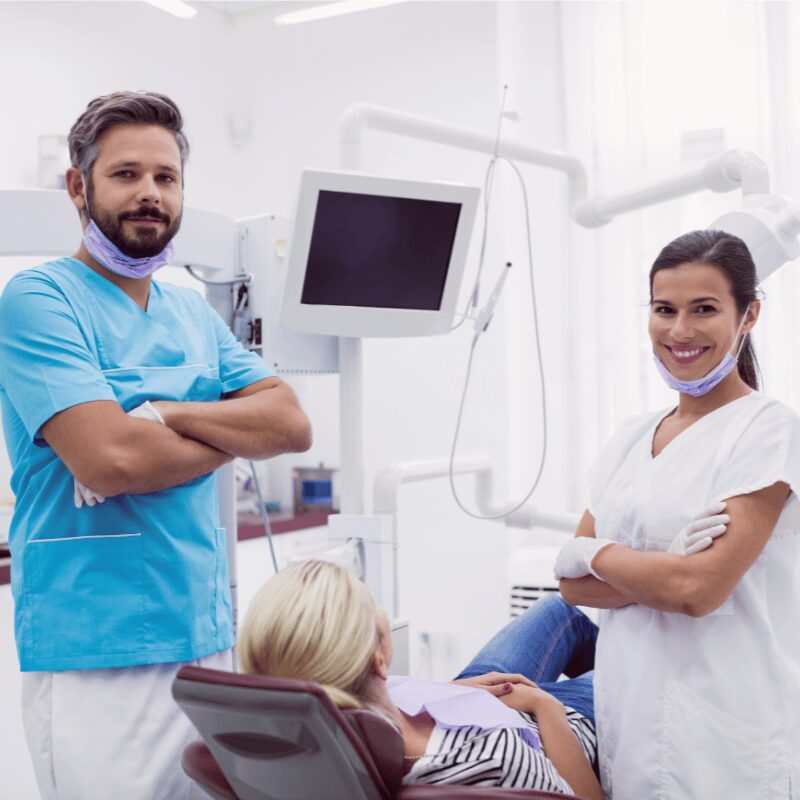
point(140, 579)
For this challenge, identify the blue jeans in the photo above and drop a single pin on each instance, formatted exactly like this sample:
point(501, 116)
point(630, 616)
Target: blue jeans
point(549, 639)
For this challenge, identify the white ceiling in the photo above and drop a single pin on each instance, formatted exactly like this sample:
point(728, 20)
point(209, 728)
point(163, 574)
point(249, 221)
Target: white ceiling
point(237, 8)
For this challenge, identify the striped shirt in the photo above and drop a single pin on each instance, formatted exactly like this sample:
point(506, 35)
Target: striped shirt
point(498, 757)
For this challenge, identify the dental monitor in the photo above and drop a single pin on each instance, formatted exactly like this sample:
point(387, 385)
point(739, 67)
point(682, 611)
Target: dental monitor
point(372, 256)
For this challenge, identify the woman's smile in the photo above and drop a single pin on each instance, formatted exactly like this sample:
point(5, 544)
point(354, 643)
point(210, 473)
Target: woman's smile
point(686, 354)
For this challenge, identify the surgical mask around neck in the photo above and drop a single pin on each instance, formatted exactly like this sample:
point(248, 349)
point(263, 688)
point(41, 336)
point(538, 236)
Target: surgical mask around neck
point(701, 386)
point(104, 251)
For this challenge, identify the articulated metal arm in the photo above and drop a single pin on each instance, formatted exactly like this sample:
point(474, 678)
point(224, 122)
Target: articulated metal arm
point(389, 480)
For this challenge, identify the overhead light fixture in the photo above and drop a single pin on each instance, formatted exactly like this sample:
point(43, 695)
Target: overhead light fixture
point(177, 7)
point(331, 10)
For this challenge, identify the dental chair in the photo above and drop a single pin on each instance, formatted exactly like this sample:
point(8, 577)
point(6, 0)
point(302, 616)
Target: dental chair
point(282, 739)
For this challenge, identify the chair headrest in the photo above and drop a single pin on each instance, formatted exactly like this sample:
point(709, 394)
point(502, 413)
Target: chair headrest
point(223, 678)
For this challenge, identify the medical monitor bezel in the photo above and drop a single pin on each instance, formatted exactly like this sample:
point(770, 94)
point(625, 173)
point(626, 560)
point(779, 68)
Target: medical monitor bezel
point(364, 321)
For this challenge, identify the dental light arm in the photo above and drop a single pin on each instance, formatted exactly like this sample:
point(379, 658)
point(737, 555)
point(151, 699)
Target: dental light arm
point(734, 169)
point(767, 223)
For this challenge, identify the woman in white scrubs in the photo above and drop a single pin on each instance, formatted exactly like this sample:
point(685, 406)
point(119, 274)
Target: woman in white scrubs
point(697, 672)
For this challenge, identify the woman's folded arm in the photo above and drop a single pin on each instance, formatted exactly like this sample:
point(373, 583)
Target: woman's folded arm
point(697, 584)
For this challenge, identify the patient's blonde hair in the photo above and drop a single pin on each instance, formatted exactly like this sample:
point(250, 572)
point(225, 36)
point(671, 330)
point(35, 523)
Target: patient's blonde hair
point(313, 621)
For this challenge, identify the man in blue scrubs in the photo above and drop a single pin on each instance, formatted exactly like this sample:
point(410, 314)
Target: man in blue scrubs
point(112, 598)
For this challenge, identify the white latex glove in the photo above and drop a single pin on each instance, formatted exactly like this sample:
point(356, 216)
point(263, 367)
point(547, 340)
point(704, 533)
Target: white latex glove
point(576, 556)
point(701, 531)
point(83, 494)
point(146, 411)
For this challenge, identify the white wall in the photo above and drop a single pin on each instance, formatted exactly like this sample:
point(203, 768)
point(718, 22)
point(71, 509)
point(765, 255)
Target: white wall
point(56, 56)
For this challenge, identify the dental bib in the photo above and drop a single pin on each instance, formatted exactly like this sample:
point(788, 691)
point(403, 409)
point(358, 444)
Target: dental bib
point(454, 705)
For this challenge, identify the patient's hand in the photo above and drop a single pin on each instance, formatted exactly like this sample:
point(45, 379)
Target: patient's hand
point(530, 699)
point(497, 683)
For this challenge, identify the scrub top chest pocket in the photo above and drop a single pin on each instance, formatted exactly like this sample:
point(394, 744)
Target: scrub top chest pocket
point(132, 386)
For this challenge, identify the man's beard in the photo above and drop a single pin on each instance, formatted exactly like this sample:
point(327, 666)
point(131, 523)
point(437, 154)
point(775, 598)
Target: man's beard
point(147, 242)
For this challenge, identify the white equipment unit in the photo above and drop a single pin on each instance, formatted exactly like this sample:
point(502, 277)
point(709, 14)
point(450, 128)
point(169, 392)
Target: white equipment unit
point(262, 254)
point(376, 535)
point(374, 256)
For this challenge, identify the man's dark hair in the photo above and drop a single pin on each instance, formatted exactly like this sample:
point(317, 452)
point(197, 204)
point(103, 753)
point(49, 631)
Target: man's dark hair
point(122, 108)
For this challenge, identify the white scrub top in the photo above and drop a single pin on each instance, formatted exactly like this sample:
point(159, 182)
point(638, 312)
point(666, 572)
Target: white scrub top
point(698, 708)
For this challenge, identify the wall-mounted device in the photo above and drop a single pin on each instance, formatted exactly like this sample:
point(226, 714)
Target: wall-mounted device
point(373, 256)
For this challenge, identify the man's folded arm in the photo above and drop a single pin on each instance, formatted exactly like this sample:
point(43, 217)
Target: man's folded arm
point(261, 420)
point(113, 453)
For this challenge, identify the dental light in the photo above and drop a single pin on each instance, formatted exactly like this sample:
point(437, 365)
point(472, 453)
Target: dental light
point(769, 225)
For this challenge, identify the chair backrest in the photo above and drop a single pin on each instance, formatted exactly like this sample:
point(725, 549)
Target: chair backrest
point(276, 738)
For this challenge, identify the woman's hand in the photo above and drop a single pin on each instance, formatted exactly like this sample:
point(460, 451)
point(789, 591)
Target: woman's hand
point(496, 683)
point(516, 691)
point(700, 533)
point(531, 699)
point(575, 558)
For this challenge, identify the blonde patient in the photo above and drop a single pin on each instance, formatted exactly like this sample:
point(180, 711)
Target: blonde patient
point(314, 621)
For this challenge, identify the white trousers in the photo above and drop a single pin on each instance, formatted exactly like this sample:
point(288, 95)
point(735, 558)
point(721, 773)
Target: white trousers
point(105, 734)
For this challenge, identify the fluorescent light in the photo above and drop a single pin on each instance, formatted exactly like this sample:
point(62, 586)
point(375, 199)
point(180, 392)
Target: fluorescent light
point(331, 10)
point(177, 7)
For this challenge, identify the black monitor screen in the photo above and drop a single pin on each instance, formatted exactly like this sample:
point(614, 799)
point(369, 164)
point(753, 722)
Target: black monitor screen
point(379, 252)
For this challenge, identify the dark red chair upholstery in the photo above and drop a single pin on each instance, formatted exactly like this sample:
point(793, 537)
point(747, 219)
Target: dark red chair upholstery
point(281, 739)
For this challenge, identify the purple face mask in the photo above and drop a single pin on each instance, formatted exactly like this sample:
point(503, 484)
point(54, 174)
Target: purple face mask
point(111, 257)
point(704, 385)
